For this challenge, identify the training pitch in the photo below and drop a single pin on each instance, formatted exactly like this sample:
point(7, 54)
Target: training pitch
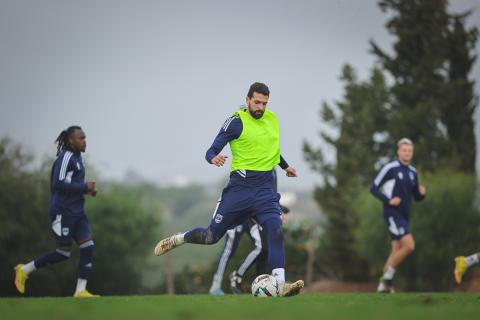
point(452, 306)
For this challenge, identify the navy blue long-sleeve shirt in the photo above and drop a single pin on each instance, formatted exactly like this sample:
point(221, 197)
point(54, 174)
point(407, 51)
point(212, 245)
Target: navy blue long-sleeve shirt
point(67, 183)
point(231, 130)
point(396, 180)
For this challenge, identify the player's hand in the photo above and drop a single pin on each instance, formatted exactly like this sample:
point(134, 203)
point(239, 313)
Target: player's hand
point(422, 190)
point(219, 160)
point(91, 187)
point(395, 201)
point(93, 193)
point(291, 172)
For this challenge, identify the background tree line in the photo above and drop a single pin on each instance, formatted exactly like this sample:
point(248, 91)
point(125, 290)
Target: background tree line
point(127, 219)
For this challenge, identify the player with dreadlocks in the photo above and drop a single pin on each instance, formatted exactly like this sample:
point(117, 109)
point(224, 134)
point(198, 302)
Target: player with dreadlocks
point(67, 213)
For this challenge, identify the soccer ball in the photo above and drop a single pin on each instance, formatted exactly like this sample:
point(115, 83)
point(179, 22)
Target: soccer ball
point(265, 285)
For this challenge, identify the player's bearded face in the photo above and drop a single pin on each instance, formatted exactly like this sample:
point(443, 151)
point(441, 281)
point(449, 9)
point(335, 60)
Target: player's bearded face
point(405, 153)
point(257, 105)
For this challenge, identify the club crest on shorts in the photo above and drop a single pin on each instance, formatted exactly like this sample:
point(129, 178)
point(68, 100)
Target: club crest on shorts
point(218, 218)
point(65, 231)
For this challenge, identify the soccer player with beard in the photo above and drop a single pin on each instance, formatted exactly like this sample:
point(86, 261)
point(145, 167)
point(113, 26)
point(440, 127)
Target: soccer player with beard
point(254, 137)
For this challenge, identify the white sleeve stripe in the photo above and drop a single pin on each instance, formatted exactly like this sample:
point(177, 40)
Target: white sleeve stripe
point(65, 156)
point(384, 171)
point(227, 123)
point(65, 161)
point(63, 169)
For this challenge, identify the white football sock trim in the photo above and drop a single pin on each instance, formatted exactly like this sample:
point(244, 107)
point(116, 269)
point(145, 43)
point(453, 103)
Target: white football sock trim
point(81, 285)
point(29, 267)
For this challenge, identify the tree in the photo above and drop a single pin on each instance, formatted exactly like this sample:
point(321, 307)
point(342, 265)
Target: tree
point(360, 120)
point(432, 98)
point(462, 101)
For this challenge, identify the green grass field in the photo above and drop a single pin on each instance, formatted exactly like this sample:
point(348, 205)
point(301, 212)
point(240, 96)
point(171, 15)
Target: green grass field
point(307, 306)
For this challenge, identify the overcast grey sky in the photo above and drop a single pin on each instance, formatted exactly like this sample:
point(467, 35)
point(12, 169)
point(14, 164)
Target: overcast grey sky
point(151, 82)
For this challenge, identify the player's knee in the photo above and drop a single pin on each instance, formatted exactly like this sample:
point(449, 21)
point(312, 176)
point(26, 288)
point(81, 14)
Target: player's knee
point(210, 241)
point(63, 252)
point(65, 249)
point(212, 237)
point(86, 248)
point(86, 254)
point(410, 247)
point(86, 257)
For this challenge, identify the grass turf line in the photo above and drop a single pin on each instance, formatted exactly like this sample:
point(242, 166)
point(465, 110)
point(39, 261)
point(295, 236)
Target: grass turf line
point(451, 306)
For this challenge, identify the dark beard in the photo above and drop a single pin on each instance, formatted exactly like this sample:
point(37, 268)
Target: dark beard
point(256, 114)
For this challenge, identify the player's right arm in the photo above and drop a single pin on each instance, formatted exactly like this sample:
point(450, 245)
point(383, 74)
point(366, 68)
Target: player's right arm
point(384, 175)
point(62, 176)
point(231, 129)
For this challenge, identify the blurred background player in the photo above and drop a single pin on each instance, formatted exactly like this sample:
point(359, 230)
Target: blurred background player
point(232, 239)
point(67, 213)
point(258, 255)
point(261, 261)
point(463, 263)
point(399, 182)
point(254, 137)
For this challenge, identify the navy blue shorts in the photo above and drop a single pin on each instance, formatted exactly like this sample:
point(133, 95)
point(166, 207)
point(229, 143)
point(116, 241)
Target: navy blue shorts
point(69, 227)
point(240, 202)
point(397, 225)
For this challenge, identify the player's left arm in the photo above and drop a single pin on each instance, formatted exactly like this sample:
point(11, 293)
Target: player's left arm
point(419, 192)
point(289, 171)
